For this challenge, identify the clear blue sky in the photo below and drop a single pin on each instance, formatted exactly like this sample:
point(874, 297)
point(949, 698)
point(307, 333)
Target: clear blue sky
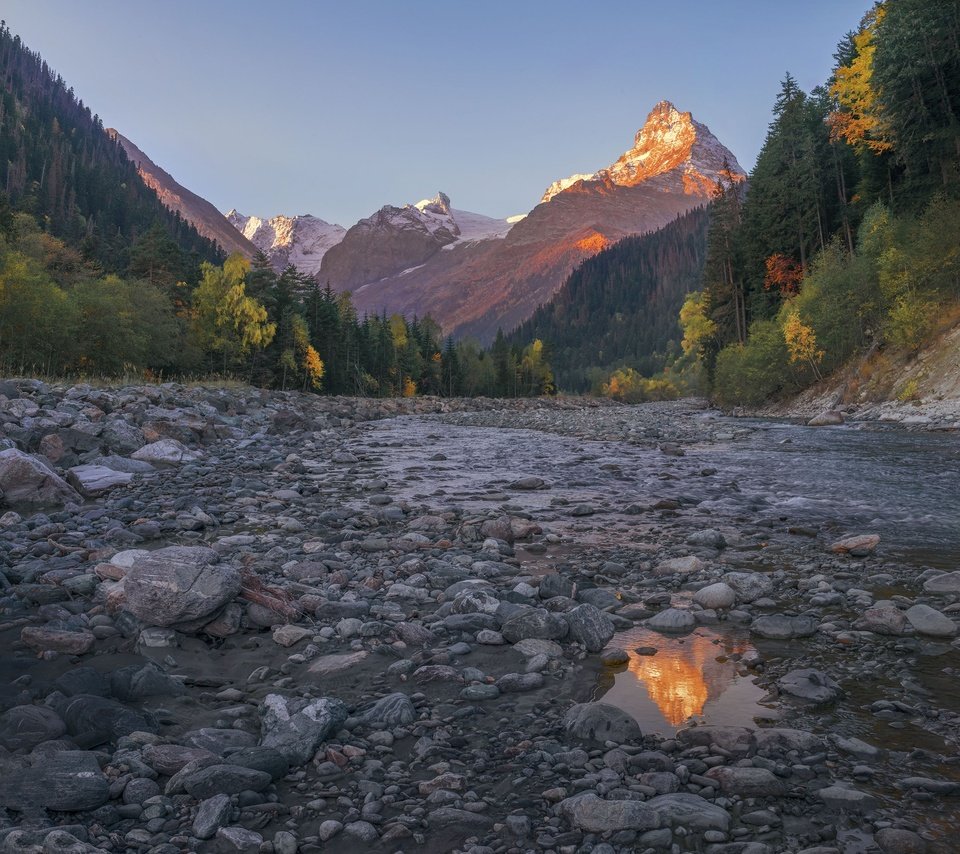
point(337, 108)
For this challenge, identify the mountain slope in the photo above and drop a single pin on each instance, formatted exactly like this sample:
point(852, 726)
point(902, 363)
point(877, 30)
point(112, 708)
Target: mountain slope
point(58, 164)
point(474, 288)
point(194, 209)
point(620, 307)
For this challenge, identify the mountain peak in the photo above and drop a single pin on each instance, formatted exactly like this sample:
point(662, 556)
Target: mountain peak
point(439, 204)
point(670, 141)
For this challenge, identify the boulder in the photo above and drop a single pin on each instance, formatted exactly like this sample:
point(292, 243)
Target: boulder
point(297, 727)
point(93, 480)
point(716, 596)
point(67, 781)
point(783, 627)
point(857, 546)
point(179, 584)
point(679, 566)
point(827, 418)
point(746, 782)
point(212, 814)
point(44, 639)
point(888, 620)
point(809, 684)
point(28, 481)
point(595, 815)
point(24, 727)
point(671, 620)
point(749, 586)
point(168, 452)
point(929, 621)
point(601, 722)
point(590, 626)
point(393, 710)
point(224, 779)
point(947, 582)
point(679, 809)
point(534, 623)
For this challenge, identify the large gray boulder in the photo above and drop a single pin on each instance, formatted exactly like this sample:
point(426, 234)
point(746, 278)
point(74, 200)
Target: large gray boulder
point(595, 815)
point(27, 481)
point(601, 722)
point(296, 728)
point(534, 623)
point(179, 584)
point(930, 621)
point(168, 452)
point(590, 626)
point(67, 781)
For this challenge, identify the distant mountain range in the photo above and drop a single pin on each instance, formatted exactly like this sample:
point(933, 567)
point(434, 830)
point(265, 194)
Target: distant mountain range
point(471, 272)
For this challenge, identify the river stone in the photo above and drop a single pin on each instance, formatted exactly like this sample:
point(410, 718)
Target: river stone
point(94, 720)
point(783, 627)
point(708, 538)
point(680, 809)
point(179, 584)
point(94, 480)
point(224, 779)
point(137, 682)
point(297, 727)
point(749, 586)
point(590, 626)
point(555, 584)
point(288, 635)
point(827, 418)
point(847, 799)
point(777, 741)
point(595, 815)
point(218, 741)
point(212, 814)
point(746, 782)
point(393, 710)
point(333, 665)
point(601, 722)
point(809, 684)
point(27, 480)
point(165, 452)
point(264, 759)
point(534, 623)
point(896, 841)
point(531, 647)
point(671, 620)
point(948, 582)
point(44, 639)
point(24, 727)
point(67, 781)
point(887, 620)
point(929, 621)
point(168, 759)
point(714, 596)
point(238, 840)
point(679, 566)
point(737, 741)
point(857, 546)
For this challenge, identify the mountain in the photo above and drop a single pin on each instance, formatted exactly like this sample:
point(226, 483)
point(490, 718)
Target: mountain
point(395, 241)
point(620, 307)
point(299, 240)
point(58, 164)
point(194, 209)
point(400, 261)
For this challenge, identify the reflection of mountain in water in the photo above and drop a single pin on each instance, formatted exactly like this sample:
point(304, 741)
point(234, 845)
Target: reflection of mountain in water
point(681, 679)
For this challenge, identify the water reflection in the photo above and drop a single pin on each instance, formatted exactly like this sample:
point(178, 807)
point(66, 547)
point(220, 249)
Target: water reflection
point(690, 678)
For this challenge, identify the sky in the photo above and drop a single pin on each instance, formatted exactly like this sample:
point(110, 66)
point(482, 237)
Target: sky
point(338, 108)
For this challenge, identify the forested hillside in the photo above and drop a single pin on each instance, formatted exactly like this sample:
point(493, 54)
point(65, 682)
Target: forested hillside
point(620, 307)
point(58, 165)
point(847, 240)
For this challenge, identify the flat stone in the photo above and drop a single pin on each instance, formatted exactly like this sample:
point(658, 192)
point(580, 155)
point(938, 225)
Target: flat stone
point(858, 546)
point(595, 815)
point(679, 809)
point(212, 814)
point(948, 582)
point(67, 781)
point(333, 665)
point(827, 418)
point(671, 620)
point(165, 452)
point(238, 840)
point(746, 782)
point(224, 779)
point(809, 684)
point(847, 799)
point(930, 621)
point(94, 480)
point(57, 640)
point(783, 627)
point(679, 566)
point(888, 620)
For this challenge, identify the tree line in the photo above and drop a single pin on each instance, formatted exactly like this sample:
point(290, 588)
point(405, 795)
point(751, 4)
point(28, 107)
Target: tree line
point(844, 241)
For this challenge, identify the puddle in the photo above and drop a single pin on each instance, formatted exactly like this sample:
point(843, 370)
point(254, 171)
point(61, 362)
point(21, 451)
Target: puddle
point(691, 679)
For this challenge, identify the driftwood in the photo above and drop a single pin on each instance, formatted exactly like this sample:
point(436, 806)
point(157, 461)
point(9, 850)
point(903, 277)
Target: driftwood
point(280, 601)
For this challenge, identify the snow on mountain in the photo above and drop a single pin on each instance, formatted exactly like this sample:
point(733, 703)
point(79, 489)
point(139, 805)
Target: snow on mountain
point(670, 142)
point(298, 240)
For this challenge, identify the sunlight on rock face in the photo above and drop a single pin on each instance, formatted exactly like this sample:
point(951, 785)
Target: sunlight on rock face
point(689, 677)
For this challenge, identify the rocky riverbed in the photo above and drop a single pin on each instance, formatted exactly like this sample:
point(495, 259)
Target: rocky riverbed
point(246, 621)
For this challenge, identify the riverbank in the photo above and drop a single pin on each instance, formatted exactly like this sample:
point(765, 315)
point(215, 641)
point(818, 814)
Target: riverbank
point(302, 624)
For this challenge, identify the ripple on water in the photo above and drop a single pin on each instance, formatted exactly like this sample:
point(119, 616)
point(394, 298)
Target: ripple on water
point(690, 679)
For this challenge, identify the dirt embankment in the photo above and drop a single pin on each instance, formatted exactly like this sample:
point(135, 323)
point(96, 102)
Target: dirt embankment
point(916, 389)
